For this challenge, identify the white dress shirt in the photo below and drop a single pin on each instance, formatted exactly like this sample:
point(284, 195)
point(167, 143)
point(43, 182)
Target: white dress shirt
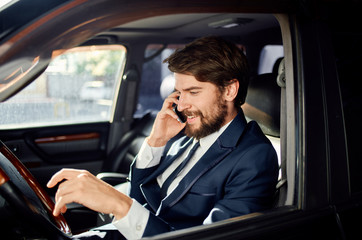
point(132, 226)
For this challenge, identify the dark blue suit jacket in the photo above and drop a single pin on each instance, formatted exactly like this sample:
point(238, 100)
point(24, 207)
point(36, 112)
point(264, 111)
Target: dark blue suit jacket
point(236, 176)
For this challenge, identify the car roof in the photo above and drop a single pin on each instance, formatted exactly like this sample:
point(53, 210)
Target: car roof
point(183, 27)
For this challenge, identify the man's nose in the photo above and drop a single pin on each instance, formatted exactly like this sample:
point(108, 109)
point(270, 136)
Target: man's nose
point(182, 104)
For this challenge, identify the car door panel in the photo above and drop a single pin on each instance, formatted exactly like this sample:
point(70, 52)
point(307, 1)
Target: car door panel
point(45, 151)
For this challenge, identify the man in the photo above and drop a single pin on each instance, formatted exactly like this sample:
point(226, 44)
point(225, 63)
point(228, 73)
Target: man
point(232, 172)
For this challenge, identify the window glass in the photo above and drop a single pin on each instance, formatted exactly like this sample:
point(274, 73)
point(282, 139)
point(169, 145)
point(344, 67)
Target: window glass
point(268, 56)
point(78, 86)
point(157, 81)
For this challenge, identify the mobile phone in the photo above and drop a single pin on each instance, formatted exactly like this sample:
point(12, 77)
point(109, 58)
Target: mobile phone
point(180, 116)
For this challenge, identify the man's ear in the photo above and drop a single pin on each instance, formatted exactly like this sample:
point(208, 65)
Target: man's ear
point(231, 91)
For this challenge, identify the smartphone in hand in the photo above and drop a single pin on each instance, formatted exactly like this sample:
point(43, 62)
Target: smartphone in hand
point(181, 118)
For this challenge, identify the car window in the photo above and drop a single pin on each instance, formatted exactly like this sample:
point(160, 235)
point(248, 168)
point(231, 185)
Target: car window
point(268, 56)
point(157, 81)
point(78, 86)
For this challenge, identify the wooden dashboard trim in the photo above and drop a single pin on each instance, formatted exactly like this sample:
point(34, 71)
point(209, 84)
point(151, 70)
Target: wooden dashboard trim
point(66, 138)
point(3, 177)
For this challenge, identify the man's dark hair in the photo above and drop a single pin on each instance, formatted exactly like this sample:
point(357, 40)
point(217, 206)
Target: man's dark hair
point(215, 60)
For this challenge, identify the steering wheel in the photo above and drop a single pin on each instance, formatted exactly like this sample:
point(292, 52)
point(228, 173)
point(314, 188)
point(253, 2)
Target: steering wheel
point(19, 187)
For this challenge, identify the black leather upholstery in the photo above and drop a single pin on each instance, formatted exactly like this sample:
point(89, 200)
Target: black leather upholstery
point(122, 156)
point(262, 102)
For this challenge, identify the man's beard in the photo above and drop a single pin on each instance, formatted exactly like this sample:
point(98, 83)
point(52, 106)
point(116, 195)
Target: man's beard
point(208, 125)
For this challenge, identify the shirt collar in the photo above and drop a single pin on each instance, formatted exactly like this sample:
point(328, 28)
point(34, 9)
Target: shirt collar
point(206, 142)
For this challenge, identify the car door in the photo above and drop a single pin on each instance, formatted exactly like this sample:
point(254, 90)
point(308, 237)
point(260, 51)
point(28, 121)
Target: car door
point(63, 118)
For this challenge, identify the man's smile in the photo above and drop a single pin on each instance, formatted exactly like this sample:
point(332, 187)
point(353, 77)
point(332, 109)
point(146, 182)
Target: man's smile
point(191, 117)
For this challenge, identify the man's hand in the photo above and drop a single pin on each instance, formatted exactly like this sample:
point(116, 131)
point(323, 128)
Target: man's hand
point(166, 124)
point(82, 187)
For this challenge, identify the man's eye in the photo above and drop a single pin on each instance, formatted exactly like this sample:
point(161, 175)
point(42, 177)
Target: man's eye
point(194, 93)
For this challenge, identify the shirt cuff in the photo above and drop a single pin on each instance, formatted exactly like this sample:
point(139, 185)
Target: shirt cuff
point(133, 225)
point(148, 156)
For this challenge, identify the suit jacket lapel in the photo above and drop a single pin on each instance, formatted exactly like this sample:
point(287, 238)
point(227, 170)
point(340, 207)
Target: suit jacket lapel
point(174, 153)
point(150, 187)
point(210, 159)
point(216, 153)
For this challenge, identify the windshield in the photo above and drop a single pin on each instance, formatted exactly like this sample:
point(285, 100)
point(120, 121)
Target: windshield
point(15, 14)
point(19, 64)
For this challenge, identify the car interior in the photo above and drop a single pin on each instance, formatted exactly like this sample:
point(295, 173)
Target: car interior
point(107, 148)
point(264, 94)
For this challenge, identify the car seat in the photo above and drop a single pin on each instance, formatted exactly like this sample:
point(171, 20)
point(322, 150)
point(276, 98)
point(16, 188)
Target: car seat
point(263, 104)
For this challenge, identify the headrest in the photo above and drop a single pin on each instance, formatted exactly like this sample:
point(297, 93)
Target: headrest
point(262, 102)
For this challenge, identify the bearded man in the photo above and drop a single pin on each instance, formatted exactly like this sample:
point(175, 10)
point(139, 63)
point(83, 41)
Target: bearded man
point(223, 167)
